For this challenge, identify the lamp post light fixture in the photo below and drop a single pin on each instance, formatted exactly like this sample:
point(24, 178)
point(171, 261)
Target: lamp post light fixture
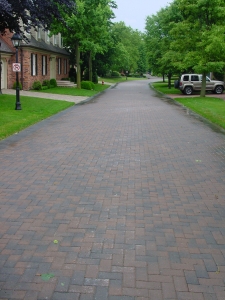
point(16, 39)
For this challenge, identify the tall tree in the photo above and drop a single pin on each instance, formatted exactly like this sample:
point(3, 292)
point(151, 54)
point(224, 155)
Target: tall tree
point(127, 46)
point(199, 37)
point(21, 15)
point(158, 40)
point(88, 29)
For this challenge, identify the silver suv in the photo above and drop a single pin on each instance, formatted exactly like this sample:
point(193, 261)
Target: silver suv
point(193, 82)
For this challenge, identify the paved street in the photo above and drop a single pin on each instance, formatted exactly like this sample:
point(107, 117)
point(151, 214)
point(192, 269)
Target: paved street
point(121, 198)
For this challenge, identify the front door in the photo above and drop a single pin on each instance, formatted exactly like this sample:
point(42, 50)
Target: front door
point(52, 68)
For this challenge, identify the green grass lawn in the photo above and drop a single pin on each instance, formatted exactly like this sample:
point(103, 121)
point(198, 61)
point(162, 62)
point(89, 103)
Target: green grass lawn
point(120, 79)
point(73, 91)
point(210, 108)
point(33, 111)
point(163, 88)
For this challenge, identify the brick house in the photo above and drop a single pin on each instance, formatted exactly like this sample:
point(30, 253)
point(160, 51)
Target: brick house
point(41, 57)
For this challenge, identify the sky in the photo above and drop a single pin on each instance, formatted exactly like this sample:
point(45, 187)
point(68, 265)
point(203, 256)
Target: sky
point(134, 12)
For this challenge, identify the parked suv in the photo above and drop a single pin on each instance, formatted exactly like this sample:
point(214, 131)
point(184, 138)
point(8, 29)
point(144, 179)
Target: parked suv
point(193, 82)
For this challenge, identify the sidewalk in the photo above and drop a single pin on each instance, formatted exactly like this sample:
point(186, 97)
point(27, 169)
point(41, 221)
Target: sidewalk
point(75, 99)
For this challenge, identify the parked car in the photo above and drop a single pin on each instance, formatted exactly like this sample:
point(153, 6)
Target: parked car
point(193, 82)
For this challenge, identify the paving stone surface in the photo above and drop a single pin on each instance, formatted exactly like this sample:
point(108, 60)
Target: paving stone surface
point(121, 198)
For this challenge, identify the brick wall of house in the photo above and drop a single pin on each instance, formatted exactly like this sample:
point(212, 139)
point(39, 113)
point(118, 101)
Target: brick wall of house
point(24, 57)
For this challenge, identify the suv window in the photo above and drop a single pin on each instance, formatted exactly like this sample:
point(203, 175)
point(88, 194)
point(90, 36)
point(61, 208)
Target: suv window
point(194, 78)
point(186, 78)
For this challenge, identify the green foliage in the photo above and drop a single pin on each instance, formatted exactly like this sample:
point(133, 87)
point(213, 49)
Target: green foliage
point(53, 82)
point(46, 82)
point(115, 74)
point(14, 85)
point(88, 30)
point(45, 87)
point(218, 76)
point(95, 78)
point(187, 36)
point(37, 85)
point(87, 85)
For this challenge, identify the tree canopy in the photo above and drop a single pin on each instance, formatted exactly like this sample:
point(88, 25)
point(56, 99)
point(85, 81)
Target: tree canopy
point(187, 36)
point(21, 15)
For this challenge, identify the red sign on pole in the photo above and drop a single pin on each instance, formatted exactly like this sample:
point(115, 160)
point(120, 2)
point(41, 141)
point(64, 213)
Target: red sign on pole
point(16, 67)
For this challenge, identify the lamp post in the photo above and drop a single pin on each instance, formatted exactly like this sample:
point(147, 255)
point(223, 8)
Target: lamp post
point(0, 70)
point(16, 39)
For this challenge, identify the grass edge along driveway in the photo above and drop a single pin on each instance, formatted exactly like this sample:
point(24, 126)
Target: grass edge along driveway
point(33, 111)
point(211, 108)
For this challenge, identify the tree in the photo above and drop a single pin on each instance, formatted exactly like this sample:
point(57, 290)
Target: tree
point(199, 37)
point(87, 30)
point(20, 15)
point(158, 41)
point(127, 42)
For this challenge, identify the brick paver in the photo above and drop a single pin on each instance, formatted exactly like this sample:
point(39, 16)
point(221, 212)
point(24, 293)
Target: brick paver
point(121, 199)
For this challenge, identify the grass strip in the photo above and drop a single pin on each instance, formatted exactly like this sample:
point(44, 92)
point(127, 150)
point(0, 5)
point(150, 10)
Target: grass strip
point(73, 91)
point(33, 111)
point(213, 109)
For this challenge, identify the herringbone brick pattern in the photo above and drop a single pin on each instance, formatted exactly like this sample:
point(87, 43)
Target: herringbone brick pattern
point(122, 198)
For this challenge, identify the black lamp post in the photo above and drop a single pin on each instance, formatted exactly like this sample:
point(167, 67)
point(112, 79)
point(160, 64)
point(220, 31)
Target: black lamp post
point(16, 39)
point(0, 70)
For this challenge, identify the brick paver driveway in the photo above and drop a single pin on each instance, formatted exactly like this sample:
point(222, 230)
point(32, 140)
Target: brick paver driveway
point(122, 198)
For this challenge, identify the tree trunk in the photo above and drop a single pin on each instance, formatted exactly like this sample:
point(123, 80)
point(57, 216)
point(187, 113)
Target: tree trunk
point(78, 65)
point(203, 84)
point(163, 77)
point(90, 66)
point(169, 80)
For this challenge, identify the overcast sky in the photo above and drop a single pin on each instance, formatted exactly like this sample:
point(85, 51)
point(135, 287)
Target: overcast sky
point(134, 12)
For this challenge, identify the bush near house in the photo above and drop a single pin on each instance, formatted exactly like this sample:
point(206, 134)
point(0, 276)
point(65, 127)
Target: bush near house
point(53, 82)
point(87, 85)
point(46, 83)
point(115, 74)
point(14, 85)
point(37, 85)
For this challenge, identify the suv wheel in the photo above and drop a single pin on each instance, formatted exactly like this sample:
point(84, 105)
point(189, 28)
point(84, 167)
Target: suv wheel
point(218, 89)
point(188, 90)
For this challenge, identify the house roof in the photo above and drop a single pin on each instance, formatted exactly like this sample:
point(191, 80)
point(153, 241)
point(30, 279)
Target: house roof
point(5, 48)
point(40, 44)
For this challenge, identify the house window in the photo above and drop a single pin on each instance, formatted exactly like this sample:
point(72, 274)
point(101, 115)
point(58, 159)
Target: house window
point(34, 64)
point(59, 66)
point(65, 66)
point(44, 65)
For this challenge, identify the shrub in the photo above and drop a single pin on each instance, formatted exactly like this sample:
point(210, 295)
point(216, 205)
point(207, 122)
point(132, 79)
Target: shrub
point(36, 85)
point(65, 78)
point(45, 87)
point(95, 78)
point(46, 82)
point(87, 85)
point(115, 74)
point(14, 85)
point(53, 82)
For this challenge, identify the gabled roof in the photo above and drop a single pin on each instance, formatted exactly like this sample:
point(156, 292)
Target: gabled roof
point(40, 44)
point(5, 48)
